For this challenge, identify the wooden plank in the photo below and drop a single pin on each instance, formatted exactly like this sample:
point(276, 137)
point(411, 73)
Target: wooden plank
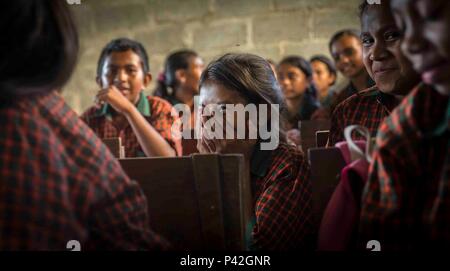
point(171, 195)
point(236, 222)
point(322, 138)
point(326, 165)
point(189, 145)
point(193, 210)
point(209, 195)
point(115, 146)
point(308, 131)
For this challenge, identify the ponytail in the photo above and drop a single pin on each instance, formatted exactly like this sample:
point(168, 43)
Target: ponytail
point(162, 89)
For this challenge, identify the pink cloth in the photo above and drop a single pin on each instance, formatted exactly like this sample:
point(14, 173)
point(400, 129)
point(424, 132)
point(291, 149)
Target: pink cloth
point(339, 224)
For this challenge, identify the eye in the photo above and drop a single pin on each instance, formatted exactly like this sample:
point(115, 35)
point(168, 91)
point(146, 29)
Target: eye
point(348, 52)
point(366, 41)
point(392, 35)
point(335, 57)
point(131, 70)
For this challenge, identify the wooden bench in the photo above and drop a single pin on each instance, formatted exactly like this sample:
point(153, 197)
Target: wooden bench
point(326, 166)
point(189, 146)
point(322, 138)
point(115, 146)
point(200, 202)
point(308, 131)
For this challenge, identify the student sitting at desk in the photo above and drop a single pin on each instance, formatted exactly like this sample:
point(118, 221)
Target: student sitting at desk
point(279, 177)
point(142, 122)
point(58, 182)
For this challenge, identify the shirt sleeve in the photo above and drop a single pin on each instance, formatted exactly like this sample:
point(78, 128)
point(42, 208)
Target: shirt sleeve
point(163, 121)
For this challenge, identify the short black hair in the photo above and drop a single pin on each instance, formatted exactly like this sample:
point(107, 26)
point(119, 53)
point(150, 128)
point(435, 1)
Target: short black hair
point(325, 60)
point(122, 45)
point(40, 47)
point(345, 32)
point(299, 62)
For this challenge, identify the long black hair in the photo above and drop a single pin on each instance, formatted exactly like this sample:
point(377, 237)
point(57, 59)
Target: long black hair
point(167, 81)
point(40, 48)
point(252, 77)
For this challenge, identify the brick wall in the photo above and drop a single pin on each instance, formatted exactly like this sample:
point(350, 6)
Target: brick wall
point(270, 28)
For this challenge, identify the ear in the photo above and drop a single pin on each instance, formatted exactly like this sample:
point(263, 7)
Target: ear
point(333, 79)
point(99, 81)
point(147, 79)
point(180, 75)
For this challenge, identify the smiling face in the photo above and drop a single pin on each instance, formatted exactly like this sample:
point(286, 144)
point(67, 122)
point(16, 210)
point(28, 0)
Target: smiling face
point(293, 81)
point(124, 71)
point(214, 95)
point(322, 77)
point(382, 55)
point(347, 54)
point(426, 42)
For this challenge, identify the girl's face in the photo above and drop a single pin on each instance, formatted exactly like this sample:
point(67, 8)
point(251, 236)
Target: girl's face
point(347, 54)
point(292, 80)
point(382, 54)
point(193, 73)
point(322, 77)
point(215, 95)
point(426, 41)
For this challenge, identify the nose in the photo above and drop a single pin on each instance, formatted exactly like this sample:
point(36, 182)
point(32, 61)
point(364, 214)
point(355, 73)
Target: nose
point(378, 51)
point(344, 59)
point(121, 76)
point(283, 82)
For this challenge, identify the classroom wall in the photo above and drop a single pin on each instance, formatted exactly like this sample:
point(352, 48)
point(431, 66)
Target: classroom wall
point(270, 28)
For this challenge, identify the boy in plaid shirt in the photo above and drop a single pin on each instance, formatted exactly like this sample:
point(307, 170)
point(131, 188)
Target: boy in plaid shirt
point(142, 122)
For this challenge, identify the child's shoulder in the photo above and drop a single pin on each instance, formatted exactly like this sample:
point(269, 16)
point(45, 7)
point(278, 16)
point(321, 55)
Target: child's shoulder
point(287, 154)
point(366, 96)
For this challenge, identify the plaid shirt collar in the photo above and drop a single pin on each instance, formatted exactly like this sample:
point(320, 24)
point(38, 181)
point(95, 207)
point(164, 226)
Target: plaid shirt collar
point(142, 105)
point(261, 160)
point(387, 101)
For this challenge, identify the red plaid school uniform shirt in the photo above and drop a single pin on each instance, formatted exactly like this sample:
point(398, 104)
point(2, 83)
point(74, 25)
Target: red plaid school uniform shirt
point(58, 182)
point(406, 202)
point(155, 110)
point(367, 108)
point(282, 196)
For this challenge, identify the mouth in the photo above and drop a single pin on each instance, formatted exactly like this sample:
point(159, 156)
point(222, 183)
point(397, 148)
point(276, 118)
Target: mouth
point(123, 90)
point(347, 69)
point(383, 71)
point(432, 72)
